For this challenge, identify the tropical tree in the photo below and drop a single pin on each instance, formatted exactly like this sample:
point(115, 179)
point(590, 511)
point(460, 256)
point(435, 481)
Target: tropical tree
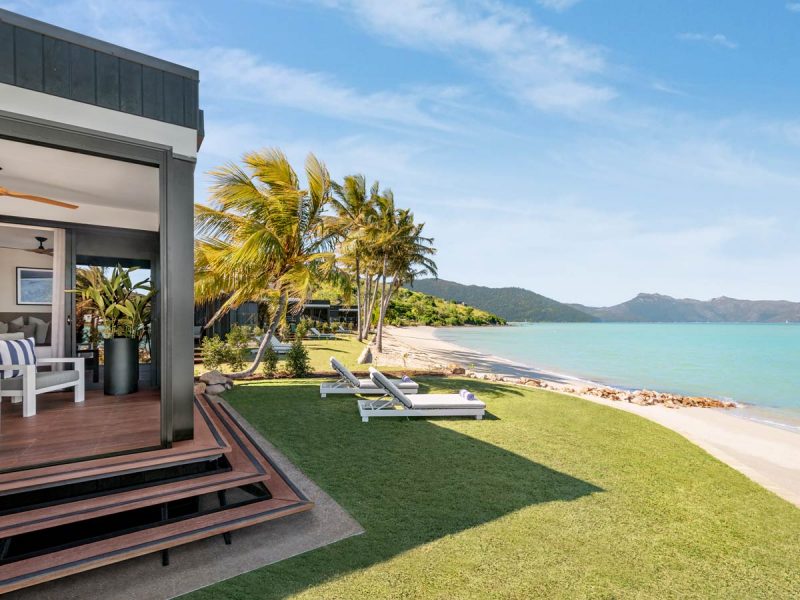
point(264, 238)
point(404, 254)
point(355, 211)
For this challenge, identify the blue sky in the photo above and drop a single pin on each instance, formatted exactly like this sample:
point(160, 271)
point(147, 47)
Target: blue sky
point(586, 150)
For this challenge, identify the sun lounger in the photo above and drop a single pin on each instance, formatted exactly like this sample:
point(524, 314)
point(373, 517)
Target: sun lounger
point(397, 403)
point(350, 384)
point(278, 346)
point(316, 333)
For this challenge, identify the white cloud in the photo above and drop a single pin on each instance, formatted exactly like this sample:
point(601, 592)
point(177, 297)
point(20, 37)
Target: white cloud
point(533, 63)
point(709, 38)
point(558, 5)
point(793, 6)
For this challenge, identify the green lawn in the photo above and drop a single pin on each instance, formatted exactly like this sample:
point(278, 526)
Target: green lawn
point(550, 497)
point(345, 347)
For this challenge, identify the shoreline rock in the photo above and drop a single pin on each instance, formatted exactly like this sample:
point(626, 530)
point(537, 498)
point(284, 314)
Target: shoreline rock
point(641, 397)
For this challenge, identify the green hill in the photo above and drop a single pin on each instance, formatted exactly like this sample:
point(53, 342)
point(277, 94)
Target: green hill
point(415, 308)
point(511, 303)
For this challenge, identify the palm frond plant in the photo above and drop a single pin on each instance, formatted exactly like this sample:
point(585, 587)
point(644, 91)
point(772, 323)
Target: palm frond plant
point(264, 238)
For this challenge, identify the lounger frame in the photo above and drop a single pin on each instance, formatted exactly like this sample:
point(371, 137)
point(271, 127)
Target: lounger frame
point(387, 406)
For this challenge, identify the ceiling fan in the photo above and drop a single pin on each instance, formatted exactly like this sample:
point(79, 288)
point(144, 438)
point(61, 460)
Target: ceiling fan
point(42, 199)
point(40, 250)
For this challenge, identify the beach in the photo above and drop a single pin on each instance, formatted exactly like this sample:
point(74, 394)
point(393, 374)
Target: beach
point(766, 454)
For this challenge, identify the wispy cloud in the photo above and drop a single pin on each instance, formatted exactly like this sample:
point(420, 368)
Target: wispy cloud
point(558, 5)
point(535, 64)
point(793, 7)
point(709, 38)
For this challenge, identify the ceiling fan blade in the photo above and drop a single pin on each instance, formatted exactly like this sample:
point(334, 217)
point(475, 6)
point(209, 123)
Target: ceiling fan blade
point(46, 251)
point(42, 199)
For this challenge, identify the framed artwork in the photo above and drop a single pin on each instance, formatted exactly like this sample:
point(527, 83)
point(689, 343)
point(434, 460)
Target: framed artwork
point(34, 286)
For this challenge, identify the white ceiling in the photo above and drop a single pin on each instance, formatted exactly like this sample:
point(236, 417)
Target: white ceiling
point(107, 192)
point(23, 238)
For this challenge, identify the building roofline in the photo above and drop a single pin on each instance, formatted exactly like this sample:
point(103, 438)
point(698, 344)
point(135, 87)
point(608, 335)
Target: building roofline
point(94, 44)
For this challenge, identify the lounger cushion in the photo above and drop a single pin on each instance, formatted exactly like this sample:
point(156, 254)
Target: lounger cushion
point(366, 384)
point(345, 372)
point(431, 401)
point(382, 381)
point(16, 352)
point(44, 379)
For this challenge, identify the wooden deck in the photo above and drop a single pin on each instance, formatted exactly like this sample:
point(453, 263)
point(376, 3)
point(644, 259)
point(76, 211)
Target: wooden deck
point(58, 443)
point(223, 504)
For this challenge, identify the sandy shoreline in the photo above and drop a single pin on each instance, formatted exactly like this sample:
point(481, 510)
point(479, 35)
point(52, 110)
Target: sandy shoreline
point(766, 454)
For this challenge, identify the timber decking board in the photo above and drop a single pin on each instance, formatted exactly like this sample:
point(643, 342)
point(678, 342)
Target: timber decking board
point(248, 465)
point(207, 443)
point(244, 454)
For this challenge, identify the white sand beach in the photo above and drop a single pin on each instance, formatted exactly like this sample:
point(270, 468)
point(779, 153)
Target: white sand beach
point(766, 454)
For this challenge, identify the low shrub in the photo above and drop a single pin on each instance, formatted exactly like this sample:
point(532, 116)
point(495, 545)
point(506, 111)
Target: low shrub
point(297, 361)
point(214, 352)
point(269, 362)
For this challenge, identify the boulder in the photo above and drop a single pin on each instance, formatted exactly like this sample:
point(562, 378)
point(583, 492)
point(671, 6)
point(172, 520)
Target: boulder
point(199, 388)
point(213, 378)
point(215, 389)
point(365, 358)
point(455, 369)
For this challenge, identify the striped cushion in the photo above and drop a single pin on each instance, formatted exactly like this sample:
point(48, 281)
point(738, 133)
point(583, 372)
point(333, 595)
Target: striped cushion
point(16, 352)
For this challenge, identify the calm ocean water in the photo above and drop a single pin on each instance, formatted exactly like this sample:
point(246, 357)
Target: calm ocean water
point(755, 364)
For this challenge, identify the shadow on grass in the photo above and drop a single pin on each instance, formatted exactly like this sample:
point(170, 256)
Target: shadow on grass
point(407, 481)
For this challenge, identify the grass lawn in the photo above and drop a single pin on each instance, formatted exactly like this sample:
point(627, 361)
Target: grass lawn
point(550, 497)
point(345, 347)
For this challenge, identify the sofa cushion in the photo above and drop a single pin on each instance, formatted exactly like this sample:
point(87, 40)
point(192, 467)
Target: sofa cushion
point(42, 327)
point(16, 352)
point(18, 321)
point(44, 379)
point(3, 327)
point(12, 336)
point(29, 331)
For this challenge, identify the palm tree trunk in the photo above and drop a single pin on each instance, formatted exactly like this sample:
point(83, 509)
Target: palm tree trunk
point(358, 296)
point(382, 310)
point(365, 304)
point(371, 307)
point(283, 300)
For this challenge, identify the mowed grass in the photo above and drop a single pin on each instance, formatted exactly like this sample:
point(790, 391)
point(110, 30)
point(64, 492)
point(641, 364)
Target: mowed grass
point(345, 347)
point(550, 497)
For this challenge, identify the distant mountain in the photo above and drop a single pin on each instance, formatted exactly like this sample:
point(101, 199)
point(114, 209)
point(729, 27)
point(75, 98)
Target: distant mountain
point(666, 309)
point(511, 303)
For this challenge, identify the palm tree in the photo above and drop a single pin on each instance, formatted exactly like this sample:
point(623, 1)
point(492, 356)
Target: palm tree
point(264, 238)
point(404, 253)
point(355, 211)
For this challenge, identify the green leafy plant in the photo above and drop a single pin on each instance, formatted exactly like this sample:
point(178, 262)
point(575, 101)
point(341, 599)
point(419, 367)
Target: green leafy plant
point(214, 352)
point(122, 308)
point(297, 361)
point(302, 329)
point(269, 363)
point(236, 342)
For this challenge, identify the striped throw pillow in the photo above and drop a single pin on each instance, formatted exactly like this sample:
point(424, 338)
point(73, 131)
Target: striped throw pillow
point(16, 352)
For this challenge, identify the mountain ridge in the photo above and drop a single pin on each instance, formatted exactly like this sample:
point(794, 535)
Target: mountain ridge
point(518, 304)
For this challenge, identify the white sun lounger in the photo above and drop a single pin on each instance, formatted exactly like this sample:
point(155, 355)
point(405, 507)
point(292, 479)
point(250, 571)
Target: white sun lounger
point(277, 345)
point(396, 403)
point(316, 333)
point(350, 385)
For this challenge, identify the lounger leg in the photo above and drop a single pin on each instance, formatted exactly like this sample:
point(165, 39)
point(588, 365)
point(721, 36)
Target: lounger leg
point(365, 419)
point(479, 417)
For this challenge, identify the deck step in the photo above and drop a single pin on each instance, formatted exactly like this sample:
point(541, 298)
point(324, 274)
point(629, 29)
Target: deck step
point(55, 541)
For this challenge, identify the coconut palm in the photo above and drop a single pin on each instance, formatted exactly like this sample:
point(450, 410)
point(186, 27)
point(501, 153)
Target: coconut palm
point(355, 211)
point(404, 253)
point(264, 238)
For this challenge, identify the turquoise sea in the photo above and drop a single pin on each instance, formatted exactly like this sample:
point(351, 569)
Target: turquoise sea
point(757, 365)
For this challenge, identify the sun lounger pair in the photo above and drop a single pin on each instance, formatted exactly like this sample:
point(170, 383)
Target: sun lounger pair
point(397, 403)
point(349, 384)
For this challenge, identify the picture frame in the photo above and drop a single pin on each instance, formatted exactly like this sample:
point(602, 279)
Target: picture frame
point(34, 286)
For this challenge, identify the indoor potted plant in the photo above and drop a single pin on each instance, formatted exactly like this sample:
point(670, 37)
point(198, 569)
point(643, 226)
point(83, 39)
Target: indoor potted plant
point(124, 310)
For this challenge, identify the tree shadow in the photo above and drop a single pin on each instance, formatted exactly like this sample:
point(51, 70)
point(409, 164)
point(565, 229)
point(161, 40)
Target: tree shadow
point(407, 481)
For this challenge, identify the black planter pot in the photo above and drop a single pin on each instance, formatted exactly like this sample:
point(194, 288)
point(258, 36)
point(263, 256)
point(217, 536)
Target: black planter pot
point(121, 370)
